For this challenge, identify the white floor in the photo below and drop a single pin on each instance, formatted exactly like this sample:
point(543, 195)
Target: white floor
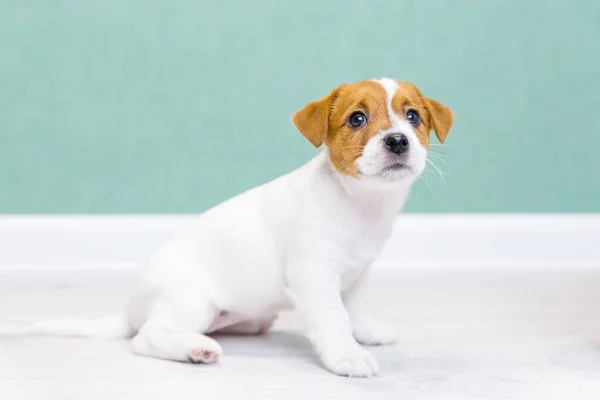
point(464, 334)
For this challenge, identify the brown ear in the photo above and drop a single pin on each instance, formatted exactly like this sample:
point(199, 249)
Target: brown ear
point(313, 120)
point(442, 118)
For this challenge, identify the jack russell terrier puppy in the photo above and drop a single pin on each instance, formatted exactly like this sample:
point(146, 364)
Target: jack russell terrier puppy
point(304, 240)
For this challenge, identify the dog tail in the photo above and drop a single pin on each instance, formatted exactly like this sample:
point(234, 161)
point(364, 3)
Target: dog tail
point(112, 327)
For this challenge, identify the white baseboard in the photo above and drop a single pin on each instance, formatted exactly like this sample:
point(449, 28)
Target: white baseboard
point(440, 240)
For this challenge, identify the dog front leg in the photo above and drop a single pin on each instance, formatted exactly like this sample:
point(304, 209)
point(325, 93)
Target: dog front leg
point(367, 330)
point(316, 294)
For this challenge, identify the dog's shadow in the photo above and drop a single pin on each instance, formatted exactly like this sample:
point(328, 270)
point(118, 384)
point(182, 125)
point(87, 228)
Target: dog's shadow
point(287, 344)
point(275, 344)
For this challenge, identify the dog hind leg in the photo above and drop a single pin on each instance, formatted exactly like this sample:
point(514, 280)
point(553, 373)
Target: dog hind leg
point(173, 332)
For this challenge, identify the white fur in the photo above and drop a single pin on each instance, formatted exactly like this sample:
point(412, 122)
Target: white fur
point(304, 240)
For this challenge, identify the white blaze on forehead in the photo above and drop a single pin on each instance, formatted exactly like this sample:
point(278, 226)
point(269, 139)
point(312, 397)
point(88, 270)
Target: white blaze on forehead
point(391, 87)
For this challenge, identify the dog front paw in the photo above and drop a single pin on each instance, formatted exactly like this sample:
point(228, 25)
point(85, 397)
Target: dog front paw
point(353, 362)
point(374, 333)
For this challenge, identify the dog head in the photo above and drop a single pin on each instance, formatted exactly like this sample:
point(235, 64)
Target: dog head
point(375, 130)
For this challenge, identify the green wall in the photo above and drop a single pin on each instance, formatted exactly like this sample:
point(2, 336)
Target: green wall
point(172, 106)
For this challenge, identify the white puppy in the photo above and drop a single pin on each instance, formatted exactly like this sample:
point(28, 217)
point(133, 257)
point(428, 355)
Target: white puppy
point(304, 240)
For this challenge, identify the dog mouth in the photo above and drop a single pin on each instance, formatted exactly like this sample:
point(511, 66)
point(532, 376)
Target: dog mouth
point(397, 166)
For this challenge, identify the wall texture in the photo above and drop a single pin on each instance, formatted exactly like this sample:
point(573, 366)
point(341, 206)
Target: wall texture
point(151, 106)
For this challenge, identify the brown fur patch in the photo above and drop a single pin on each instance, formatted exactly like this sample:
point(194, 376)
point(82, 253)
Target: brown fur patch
point(434, 115)
point(407, 97)
point(345, 143)
point(326, 120)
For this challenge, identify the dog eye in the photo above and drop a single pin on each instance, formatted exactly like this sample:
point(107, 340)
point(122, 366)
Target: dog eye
point(357, 119)
point(413, 117)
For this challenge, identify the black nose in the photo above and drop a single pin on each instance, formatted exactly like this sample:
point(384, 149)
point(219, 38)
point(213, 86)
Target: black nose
point(396, 143)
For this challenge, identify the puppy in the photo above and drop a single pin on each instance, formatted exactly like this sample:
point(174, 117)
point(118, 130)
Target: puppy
point(304, 240)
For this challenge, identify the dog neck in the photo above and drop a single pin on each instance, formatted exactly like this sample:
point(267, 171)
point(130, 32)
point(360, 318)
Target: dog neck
point(369, 198)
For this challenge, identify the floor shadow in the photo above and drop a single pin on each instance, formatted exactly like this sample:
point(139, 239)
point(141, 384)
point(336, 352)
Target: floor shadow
point(274, 344)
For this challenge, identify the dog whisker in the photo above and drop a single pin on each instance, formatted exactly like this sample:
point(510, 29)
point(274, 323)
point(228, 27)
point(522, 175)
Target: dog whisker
point(439, 171)
point(425, 177)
